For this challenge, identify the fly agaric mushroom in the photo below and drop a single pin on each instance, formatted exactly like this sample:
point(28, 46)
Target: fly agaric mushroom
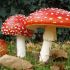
point(49, 19)
point(3, 47)
point(15, 26)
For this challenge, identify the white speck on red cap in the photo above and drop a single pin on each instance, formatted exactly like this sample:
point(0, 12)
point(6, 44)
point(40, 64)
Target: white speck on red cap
point(52, 13)
point(61, 21)
point(50, 18)
point(67, 18)
point(59, 17)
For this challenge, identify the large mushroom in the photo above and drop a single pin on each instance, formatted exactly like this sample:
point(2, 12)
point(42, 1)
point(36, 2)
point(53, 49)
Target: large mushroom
point(15, 26)
point(48, 19)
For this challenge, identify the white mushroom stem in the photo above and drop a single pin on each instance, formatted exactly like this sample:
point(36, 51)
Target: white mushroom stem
point(21, 51)
point(48, 37)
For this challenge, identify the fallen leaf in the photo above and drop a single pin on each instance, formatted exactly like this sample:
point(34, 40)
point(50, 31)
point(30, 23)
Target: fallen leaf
point(15, 63)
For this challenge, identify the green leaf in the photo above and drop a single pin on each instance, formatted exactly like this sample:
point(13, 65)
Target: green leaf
point(24, 1)
point(61, 0)
point(33, 7)
point(3, 12)
point(21, 1)
point(59, 31)
point(0, 23)
point(13, 11)
point(69, 7)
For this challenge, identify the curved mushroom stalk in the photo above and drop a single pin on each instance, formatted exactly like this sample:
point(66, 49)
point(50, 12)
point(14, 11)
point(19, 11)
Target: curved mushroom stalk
point(48, 37)
point(21, 51)
point(44, 54)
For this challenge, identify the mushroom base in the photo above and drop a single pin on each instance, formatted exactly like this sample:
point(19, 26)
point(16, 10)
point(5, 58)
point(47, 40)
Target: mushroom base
point(48, 37)
point(21, 52)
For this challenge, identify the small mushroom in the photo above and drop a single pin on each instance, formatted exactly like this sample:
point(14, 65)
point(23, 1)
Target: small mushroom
point(15, 26)
point(48, 19)
point(3, 47)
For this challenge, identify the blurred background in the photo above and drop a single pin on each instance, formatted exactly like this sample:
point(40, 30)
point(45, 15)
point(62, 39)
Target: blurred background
point(11, 7)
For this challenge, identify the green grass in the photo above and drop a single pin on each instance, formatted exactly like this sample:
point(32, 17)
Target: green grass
point(33, 58)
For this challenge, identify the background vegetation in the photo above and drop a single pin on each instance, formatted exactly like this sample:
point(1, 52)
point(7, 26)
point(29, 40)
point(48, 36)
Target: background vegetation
point(11, 7)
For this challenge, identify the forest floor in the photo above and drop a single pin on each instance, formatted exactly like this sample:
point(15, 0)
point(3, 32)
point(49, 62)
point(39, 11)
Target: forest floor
point(33, 50)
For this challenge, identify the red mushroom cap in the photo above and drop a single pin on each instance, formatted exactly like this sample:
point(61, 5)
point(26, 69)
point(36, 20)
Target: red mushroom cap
point(15, 25)
point(50, 16)
point(3, 47)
